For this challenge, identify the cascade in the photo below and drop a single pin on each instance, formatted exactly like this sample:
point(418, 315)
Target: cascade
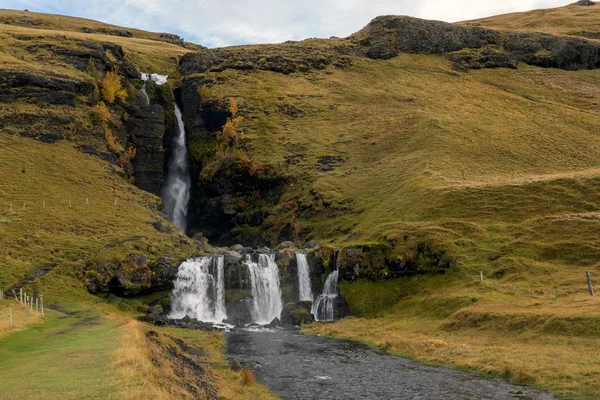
point(266, 292)
point(199, 290)
point(323, 307)
point(159, 79)
point(303, 278)
point(176, 190)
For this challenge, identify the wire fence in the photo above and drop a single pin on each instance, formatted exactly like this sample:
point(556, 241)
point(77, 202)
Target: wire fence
point(32, 304)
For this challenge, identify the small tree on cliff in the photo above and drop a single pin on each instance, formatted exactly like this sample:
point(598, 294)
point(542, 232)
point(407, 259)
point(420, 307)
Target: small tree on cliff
point(112, 88)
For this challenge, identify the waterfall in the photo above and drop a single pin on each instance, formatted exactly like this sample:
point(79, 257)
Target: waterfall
point(303, 278)
point(266, 292)
point(159, 79)
point(323, 307)
point(176, 190)
point(199, 290)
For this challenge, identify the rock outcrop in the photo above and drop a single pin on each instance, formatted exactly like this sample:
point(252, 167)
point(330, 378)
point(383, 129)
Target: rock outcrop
point(386, 37)
point(297, 313)
point(146, 126)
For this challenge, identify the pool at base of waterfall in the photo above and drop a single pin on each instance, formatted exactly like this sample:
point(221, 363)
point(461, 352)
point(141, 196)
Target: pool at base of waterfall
point(302, 367)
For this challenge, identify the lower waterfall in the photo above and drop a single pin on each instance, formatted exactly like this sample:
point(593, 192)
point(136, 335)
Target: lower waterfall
point(266, 292)
point(199, 290)
point(304, 288)
point(323, 306)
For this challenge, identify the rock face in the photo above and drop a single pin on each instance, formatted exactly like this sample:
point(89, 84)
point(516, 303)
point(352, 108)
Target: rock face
point(585, 3)
point(56, 90)
point(297, 313)
point(285, 58)
point(146, 125)
point(386, 37)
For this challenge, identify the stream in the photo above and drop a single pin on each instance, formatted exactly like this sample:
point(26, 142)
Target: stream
point(299, 367)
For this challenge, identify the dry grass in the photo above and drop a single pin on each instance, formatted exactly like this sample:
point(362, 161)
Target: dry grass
point(569, 20)
point(248, 378)
point(19, 313)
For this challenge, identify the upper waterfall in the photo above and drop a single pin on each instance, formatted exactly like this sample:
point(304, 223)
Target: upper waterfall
point(176, 190)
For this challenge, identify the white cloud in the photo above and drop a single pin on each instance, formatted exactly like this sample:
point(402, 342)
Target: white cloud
point(219, 23)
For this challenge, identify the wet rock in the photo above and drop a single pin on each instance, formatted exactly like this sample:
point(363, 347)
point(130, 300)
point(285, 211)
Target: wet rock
point(232, 257)
point(264, 250)
point(239, 313)
point(238, 248)
point(156, 310)
point(234, 365)
point(275, 323)
point(297, 313)
point(147, 127)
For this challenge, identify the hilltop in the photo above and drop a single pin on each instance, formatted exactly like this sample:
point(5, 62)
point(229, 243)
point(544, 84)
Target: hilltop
point(412, 147)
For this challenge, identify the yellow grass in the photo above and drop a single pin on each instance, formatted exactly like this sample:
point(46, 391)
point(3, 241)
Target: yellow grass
point(569, 20)
point(19, 314)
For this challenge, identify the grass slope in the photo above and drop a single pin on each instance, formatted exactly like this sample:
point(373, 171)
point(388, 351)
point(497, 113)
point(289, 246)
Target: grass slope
point(497, 167)
point(570, 20)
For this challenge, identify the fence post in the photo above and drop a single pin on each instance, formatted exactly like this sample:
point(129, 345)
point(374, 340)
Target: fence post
point(116, 201)
point(589, 280)
point(86, 201)
point(21, 295)
point(10, 315)
point(16, 298)
point(37, 305)
point(69, 203)
point(515, 289)
point(481, 276)
point(42, 303)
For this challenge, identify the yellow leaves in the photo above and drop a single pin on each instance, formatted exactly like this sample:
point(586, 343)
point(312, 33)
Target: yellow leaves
point(233, 107)
point(205, 94)
point(231, 133)
point(112, 88)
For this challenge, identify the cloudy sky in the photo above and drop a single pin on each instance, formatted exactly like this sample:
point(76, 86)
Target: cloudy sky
point(215, 23)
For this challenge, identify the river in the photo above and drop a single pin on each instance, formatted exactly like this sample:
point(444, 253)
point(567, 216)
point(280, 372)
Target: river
point(302, 367)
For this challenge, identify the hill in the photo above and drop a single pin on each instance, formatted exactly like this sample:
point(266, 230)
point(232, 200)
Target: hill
point(412, 148)
point(573, 20)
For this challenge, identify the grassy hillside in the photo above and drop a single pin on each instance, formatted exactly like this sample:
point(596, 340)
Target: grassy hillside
point(572, 20)
point(498, 168)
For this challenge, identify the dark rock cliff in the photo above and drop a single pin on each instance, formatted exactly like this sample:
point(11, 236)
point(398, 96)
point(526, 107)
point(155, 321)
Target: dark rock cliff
point(146, 125)
point(386, 37)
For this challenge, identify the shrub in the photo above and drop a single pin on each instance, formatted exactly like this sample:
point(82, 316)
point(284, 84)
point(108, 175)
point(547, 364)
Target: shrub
point(231, 133)
point(112, 88)
point(111, 142)
point(102, 112)
point(205, 95)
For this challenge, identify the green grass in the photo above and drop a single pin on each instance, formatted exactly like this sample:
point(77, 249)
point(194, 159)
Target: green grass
point(32, 173)
point(68, 357)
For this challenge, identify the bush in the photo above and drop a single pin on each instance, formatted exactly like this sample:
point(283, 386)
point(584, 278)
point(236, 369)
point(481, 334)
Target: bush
point(248, 377)
point(112, 88)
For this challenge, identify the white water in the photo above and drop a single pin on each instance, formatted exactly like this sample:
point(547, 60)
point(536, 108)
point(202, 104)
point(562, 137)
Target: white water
point(323, 307)
point(159, 79)
point(266, 292)
point(303, 278)
point(176, 191)
point(199, 290)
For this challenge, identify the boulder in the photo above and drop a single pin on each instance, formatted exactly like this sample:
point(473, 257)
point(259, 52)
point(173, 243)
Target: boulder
point(232, 257)
point(313, 244)
point(285, 245)
point(199, 237)
point(238, 248)
point(162, 227)
point(297, 313)
point(234, 365)
point(264, 250)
